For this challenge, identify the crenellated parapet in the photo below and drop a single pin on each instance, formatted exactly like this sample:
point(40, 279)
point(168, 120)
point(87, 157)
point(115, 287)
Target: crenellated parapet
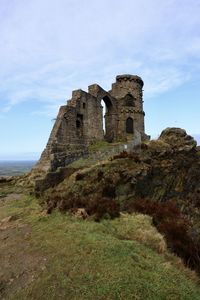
point(130, 78)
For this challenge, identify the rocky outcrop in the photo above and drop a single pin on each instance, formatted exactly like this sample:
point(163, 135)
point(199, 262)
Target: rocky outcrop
point(166, 169)
point(162, 180)
point(178, 139)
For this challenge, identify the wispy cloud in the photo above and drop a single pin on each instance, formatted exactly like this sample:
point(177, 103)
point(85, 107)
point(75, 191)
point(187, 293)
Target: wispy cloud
point(47, 110)
point(49, 48)
point(159, 80)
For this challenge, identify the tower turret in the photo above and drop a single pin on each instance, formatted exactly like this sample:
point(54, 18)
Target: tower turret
point(129, 94)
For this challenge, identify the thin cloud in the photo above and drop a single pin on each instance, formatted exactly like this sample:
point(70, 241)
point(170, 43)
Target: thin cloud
point(49, 48)
point(159, 82)
point(47, 111)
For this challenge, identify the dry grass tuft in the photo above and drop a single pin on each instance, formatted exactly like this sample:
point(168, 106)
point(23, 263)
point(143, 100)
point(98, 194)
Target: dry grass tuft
point(176, 227)
point(139, 227)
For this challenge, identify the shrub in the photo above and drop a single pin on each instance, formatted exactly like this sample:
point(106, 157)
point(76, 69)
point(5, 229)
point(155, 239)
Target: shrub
point(125, 154)
point(100, 175)
point(99, 207)
point(144, 146)
point(52, 202)
point(79, 176)
point(109, 191)
point(103, 207)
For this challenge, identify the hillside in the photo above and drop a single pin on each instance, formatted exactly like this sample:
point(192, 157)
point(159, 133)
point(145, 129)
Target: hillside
point(60, 256)
point(106, 229)
point(162, 180)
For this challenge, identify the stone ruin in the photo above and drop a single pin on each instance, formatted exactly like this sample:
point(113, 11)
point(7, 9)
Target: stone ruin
point(80, 122)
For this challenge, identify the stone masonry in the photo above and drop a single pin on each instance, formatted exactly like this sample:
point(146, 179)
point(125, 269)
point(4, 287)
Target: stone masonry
point(80, 122)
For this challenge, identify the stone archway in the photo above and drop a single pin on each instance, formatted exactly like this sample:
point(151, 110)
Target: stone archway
point(79, 125)
point(109, 119)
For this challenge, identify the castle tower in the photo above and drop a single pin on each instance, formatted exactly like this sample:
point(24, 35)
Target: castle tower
point(127, 90)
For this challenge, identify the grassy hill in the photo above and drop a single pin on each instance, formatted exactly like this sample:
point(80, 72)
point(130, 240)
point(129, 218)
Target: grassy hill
point(48, 250)
point(60, 256)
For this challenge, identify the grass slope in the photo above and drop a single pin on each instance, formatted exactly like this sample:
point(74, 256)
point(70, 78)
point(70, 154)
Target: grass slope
point(125, 258)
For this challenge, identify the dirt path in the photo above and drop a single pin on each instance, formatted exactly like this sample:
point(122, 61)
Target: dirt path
point(19, 264)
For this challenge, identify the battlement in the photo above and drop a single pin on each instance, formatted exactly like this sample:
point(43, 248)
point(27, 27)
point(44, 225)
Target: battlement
point(128, 77)
point(77, 94)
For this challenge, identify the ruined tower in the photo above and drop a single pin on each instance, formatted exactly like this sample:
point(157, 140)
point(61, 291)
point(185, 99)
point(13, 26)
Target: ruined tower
point(80, 122)
point(127, 90)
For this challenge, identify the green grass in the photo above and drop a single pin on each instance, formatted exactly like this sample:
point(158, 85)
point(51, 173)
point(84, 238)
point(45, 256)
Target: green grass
point(92, 159)
point(82, 163)
point(98, 151)
point(100, 146)
point(113, 259)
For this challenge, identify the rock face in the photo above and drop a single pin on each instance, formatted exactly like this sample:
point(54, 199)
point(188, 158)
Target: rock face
point(80, 122)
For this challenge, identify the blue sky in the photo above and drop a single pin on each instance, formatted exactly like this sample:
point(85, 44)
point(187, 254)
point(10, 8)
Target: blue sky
point(50, 47)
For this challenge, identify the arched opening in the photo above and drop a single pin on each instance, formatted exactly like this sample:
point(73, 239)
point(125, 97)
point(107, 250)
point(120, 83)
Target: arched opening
point(107, 118)
point(103, 106)
point(129, 125)
point(79, 125)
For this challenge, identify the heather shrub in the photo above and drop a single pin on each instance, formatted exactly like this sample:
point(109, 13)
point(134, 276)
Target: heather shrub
point(99, 207)
point(144, 146)
point(109, 191)
point(125, 154)
point(103, 207)
point(79, 176)
point(100, 175)
point(52, 202)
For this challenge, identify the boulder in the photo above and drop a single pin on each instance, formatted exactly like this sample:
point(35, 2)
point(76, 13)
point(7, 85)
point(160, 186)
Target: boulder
point(178, 139)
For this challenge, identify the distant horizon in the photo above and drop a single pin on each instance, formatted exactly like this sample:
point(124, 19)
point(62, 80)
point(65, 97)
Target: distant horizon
point(18, 160)
point(35, 156)
point(15, 168)
point(23, 156)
